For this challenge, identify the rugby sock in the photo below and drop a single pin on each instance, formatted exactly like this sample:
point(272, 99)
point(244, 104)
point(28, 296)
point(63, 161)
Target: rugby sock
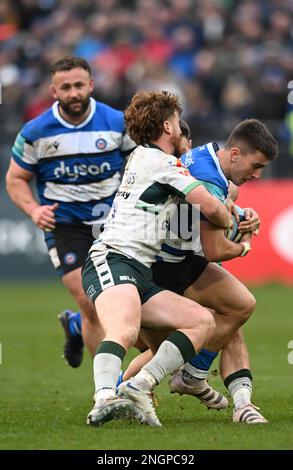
point(107, 366)
point(191, 374)
point(198, 367)
point(204, 359)
point(75, 324)
point(239, 385)
point(172, 353)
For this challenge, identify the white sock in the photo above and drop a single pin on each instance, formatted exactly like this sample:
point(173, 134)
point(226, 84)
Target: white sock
point(167, 358)
point(106, 372)
point(194, 372)
point(241, 391)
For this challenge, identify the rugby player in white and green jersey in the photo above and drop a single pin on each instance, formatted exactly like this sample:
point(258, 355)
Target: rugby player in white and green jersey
point(117, 275)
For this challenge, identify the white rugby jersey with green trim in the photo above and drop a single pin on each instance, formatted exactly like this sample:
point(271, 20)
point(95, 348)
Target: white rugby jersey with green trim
point(145, 203)
point(183, 237)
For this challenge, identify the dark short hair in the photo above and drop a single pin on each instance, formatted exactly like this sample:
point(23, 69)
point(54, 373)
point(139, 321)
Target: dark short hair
point(69, 63)
point(146, 113)
point(252, 135)
point(185, 129)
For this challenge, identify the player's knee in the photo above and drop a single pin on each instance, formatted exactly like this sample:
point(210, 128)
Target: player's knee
point(206, 321)
point(129, 337)
point(251, 304)
point(247, 307)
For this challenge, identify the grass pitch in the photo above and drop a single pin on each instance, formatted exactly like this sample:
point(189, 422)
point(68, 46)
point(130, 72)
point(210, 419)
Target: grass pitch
point(44, 402)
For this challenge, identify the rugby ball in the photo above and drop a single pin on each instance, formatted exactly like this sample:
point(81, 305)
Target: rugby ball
point(233, 233)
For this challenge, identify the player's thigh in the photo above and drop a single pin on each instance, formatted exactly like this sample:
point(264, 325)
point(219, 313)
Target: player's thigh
point(119, 310)
point(219, 290)
point(115, 283)
point(169, 311)
point(153, 338)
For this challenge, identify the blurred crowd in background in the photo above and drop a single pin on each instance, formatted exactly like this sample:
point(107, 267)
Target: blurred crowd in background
point(227, 59)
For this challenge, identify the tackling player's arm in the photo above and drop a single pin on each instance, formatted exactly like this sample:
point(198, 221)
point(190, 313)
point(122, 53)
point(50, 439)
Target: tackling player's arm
point(178, 179)
point(218, 248)
point(19, 190)
point(214, 210)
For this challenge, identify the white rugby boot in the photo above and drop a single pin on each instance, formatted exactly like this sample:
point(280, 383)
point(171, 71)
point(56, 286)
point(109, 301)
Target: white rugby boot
point(108, 409)
point(143, 401)
point(199, 389)
point(248, 414)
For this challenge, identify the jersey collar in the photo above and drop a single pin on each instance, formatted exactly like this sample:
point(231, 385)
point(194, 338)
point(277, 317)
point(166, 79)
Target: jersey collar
point(153, 146)
point(64, 123)
point(212, 146)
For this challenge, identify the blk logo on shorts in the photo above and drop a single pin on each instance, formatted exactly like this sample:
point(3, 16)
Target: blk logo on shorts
point(127, 278)
point(70, 258)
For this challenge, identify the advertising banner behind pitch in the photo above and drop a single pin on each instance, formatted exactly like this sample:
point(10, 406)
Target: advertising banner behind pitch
point(271, 258)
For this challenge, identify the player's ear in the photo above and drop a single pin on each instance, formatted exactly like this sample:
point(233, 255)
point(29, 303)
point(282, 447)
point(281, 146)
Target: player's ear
point(91, 85)
point(53, 91)
point(167, 127)
point(234, 154)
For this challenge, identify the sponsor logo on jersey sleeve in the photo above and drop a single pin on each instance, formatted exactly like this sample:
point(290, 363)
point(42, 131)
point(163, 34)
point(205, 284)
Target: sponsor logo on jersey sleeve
point(178, 164)
point(184, 172)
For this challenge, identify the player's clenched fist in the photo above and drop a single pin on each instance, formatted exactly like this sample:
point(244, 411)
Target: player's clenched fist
point(44, 216)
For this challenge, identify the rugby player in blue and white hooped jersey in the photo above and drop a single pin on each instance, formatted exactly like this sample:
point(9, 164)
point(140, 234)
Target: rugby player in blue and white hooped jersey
point(76, 151)
point(249, 148)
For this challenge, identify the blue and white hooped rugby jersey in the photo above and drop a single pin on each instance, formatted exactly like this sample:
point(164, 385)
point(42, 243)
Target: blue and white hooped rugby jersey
point(76, 166)
point(202, 163)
